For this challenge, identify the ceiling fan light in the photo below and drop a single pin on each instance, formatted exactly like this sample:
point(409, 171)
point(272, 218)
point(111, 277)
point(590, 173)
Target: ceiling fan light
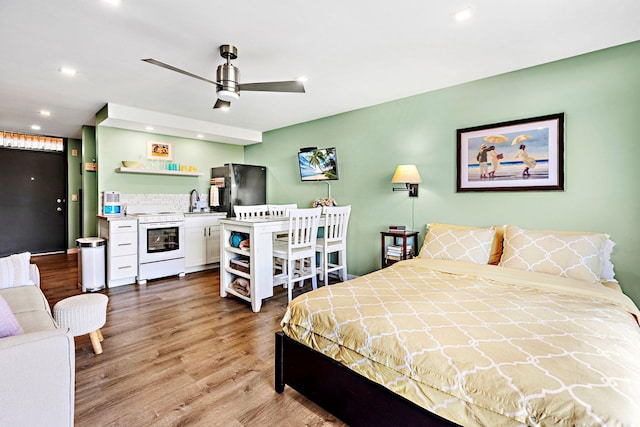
point(228, 95)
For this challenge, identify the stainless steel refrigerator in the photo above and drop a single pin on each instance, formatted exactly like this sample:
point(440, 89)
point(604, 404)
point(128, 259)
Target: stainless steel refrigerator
point(236, 184)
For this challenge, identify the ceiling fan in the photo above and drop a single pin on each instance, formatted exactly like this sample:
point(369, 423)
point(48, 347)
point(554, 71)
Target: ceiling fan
point(227, 82)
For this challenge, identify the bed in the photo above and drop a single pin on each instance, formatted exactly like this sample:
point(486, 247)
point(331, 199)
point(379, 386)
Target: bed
point(488, 326)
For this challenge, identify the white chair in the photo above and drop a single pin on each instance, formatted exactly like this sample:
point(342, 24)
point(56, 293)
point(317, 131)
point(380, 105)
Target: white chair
point(334, 241)
point(251, 211)
point(299, 250)
point(281, 210)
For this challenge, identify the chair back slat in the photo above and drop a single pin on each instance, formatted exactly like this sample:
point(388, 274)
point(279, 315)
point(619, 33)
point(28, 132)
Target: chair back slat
point(303, 227)
point(281, 210)
point(251, 211)
point(337, 221)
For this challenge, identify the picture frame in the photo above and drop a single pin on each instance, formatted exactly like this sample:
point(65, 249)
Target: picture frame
point(157, 150)
point(527, 155)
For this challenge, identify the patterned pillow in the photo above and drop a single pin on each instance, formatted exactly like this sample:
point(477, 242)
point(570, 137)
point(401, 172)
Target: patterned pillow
point(575, 255)
point(9, 325)
point(458, 243)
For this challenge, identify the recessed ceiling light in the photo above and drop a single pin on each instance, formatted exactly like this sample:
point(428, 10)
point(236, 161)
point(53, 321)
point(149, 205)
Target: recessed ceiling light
point(68, 71)
point(302, 79)
point(149, 128)
point(113, 2)
point(462, 14)
point(200, 135)
point(44, 113)
point(35, 127)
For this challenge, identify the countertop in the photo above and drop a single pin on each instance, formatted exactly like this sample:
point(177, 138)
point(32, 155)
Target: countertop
point(186, 214)
point(115, 217)
point(220, 214)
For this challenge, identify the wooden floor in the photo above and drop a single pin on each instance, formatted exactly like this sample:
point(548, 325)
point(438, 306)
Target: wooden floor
point(176, 354)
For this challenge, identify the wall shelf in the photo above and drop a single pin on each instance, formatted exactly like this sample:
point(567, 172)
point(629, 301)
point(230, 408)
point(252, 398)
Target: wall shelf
point(157, 172)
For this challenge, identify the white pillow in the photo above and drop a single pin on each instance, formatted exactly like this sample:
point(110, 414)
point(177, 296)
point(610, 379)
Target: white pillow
point(14, 270)
point(607, 266)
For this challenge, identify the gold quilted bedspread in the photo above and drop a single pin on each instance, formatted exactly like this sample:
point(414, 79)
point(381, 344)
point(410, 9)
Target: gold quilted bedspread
point(482, 345)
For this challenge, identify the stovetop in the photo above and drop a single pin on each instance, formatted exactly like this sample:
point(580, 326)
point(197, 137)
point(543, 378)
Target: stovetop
point(159, 217)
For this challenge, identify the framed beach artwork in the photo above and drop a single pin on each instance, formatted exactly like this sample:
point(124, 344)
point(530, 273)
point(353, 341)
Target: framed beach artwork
point(520, 155)
point(159, 150)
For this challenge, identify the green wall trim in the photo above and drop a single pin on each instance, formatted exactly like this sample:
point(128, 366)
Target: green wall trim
point(89, 183)
point(102, 115)
point(74, 184)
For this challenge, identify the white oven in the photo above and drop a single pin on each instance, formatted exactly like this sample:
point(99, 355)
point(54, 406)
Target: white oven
point(161, 243)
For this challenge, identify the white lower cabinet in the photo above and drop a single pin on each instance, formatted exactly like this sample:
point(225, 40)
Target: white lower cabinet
point(122, 250)
point(202, 241)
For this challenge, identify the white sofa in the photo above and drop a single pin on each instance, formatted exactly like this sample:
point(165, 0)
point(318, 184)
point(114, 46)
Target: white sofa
point(37, 367)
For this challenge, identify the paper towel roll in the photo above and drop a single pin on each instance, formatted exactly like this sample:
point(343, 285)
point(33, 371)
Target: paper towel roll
point(213, 196)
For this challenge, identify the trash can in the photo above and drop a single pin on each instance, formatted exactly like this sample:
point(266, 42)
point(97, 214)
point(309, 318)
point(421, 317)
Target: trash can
point(91, 259)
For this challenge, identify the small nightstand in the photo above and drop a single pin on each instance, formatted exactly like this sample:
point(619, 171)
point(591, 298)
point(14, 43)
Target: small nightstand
point(403, 246)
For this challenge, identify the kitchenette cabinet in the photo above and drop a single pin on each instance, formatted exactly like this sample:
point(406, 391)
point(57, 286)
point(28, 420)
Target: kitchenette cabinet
point(202, 235)
point(121, 234)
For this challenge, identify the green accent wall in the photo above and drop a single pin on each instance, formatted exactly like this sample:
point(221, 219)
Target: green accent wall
point(74, 184)
point(115, 145)
point(89, 183)
point(600, 96)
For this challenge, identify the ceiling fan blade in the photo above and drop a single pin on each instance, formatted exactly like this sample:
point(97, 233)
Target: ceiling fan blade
point(177, 70)
point(290, 86)
point(222, 104)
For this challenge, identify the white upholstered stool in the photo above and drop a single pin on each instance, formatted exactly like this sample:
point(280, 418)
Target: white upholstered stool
point(83, 314)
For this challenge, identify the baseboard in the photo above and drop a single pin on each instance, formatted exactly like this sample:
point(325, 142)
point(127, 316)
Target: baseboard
point(47, 253)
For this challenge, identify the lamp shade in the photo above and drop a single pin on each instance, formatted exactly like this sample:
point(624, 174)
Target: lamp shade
point(406, 174)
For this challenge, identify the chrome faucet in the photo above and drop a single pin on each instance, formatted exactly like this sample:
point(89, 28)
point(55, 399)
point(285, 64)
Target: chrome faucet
point(193, 200)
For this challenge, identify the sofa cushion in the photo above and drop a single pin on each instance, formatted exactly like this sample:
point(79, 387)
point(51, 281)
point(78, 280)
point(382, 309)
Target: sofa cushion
point(25, 298)
point(9, 325)
point(30, 308)
point(35, 321)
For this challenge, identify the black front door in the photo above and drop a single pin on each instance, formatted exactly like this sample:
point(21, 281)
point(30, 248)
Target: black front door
point(32, 201)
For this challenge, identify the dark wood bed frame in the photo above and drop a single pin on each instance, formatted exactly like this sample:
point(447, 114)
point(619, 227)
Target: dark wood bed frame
point(352, 398)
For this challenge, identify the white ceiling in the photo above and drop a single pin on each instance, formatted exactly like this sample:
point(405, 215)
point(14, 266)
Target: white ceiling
point(355, 53)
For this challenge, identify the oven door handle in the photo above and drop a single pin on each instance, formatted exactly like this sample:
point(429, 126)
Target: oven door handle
point(161, 224)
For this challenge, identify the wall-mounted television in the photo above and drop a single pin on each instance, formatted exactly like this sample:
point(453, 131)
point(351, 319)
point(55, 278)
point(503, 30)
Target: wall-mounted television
point(318, 164)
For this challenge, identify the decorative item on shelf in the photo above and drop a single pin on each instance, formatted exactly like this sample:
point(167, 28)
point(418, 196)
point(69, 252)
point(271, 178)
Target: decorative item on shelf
point(394, 252)
point(235, 239)
point(242, 286)
point(130, 164)
point(239, 240)
point(240, 264)
point(408, 175)
point(327, 201)
point(159, 150)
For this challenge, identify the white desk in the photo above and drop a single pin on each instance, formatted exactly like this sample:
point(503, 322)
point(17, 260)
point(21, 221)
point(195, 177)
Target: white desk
point(260, 233)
